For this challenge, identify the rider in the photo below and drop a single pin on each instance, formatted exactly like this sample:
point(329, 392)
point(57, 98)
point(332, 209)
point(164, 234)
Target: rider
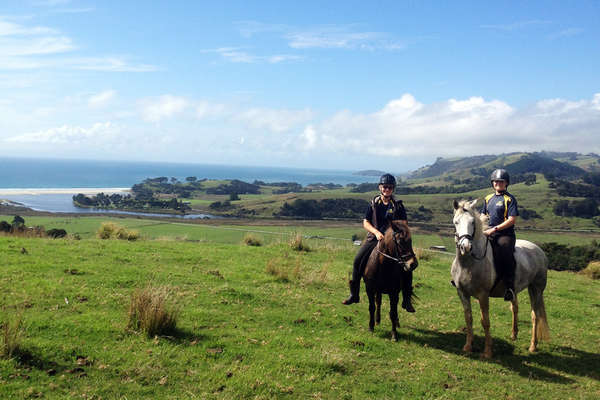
point(382, 210)
point(501, 206)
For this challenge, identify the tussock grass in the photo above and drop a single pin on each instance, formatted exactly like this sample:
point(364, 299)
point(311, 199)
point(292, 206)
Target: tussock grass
point(592, 270)
point(252, 240)
point(422, 254)
point(12, 334)
point(110, 230)
point(278, 268)
point(297, 243)
point(150, 312)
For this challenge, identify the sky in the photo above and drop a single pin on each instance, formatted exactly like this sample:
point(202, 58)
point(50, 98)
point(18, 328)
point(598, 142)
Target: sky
point(352, 85)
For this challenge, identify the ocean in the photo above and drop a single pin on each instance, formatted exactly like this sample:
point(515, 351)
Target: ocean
point(21, 173)
point(48, 173)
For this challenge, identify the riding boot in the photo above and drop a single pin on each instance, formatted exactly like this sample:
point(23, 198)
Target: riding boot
point(407, 291)
point(354, 292)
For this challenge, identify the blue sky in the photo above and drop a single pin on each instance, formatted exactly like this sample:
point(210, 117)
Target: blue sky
point(342, 84)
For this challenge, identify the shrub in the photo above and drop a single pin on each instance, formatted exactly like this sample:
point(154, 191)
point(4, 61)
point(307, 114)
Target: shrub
point(252, 240)
point(297, 243)
point(110, 230)
point(150, 312)
point(592, 270)
point(12, 333)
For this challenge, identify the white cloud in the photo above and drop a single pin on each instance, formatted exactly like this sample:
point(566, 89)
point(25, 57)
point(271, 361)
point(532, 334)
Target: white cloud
point(166, 106)
point(274, 120)
point(68, 134)
point(407, 128)
point(516, 25)
point(25, 48)
point(569, 32)
point(101, 99)
point(309, 137)
point(239, 55)
point(342, 37)
point(205, 109)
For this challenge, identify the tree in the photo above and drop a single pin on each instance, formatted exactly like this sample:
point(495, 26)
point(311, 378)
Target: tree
point(191, 179)
point(18, 221)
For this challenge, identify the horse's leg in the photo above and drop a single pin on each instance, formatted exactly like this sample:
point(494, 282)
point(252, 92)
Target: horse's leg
point(378, 308)
point(539, 324)
point(394, 297)
point(371, 296)
point(514, 307)
point(466, 302)
point(484, 305)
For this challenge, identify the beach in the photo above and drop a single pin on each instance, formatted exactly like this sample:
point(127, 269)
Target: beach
point(37, 191)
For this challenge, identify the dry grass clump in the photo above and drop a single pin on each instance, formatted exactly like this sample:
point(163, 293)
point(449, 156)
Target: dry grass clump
point(252, 240)
point(278, 268)
point(422, 254)
point(592, 270)
point(110, 230)
point(150, 312)
point(12, 334)
point(297, 243)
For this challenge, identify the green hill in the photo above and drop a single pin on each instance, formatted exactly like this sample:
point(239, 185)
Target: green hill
point(266, 322)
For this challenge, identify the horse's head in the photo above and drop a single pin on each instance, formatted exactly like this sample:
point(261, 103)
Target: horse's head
point(397, 243)
point(467, 223)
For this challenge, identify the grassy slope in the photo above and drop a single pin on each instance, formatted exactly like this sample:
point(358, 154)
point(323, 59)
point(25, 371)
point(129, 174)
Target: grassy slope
point(245, 334)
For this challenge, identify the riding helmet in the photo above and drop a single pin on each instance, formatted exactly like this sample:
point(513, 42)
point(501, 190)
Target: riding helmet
point(387, 179)
point(500, 175)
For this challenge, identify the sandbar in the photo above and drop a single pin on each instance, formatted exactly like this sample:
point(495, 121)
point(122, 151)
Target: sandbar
point(36, 191)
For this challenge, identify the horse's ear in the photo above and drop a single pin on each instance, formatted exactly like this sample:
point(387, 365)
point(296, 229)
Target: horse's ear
point(473, 203)
point(455, 204)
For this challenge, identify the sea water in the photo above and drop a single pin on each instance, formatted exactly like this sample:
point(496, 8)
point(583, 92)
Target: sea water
point(21, 173)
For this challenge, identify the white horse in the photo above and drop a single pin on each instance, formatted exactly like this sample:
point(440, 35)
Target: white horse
point(473, 274)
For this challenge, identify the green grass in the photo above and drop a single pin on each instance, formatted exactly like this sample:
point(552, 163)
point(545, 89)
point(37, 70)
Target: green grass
point(245, 333)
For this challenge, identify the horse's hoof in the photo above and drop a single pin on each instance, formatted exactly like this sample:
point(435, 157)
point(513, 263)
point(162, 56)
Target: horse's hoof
point(371, 328)
point(532, 349)
point(513, 337)
point(467, 348)
point(394, 337)
point(486, 355)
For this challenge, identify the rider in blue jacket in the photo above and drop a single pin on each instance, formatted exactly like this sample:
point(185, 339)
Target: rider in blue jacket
point(502, 209)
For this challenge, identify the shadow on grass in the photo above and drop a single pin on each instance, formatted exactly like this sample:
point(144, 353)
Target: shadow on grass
point(563, 359)
point(30, 358)
point(184, 336)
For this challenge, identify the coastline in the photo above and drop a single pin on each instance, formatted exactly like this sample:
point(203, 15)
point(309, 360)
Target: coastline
point(38, 191)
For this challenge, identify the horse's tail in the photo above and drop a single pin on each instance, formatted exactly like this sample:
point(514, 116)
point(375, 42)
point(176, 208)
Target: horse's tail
point(543, 330)
point(538, 313)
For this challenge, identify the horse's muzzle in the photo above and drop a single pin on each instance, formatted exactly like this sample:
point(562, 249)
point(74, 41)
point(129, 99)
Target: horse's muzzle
point(465, 246)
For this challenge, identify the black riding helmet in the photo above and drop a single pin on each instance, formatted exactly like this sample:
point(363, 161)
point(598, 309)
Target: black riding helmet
point(500, 175)
point(387, 179)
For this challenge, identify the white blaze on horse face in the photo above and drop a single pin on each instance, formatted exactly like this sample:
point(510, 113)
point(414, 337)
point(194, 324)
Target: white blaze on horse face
point(464, 224)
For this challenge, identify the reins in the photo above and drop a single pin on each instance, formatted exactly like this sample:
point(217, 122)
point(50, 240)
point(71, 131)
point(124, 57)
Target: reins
point(470, 237)
point(399, 260)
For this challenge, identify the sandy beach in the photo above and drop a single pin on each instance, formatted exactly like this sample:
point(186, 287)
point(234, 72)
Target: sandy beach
point(86, 191)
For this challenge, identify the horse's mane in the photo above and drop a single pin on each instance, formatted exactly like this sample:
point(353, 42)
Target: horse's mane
point(466, 206)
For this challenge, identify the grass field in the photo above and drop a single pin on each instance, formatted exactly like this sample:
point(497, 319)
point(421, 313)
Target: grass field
point(246, 333)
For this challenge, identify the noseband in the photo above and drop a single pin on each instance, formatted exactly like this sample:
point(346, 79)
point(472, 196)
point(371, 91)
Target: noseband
point(470, 237)
point(401, 259)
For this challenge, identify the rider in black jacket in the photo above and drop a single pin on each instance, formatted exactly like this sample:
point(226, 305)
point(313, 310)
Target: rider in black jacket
point(382, 210)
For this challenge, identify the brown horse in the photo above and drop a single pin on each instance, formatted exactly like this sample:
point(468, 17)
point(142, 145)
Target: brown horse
point(384, 272)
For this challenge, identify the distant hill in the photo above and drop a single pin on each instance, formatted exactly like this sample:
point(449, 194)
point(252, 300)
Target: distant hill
point(369, 172)
point(551, 164)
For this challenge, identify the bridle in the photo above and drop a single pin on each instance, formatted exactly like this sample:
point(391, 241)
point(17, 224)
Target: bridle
point(402, 260)
point(458, 238)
